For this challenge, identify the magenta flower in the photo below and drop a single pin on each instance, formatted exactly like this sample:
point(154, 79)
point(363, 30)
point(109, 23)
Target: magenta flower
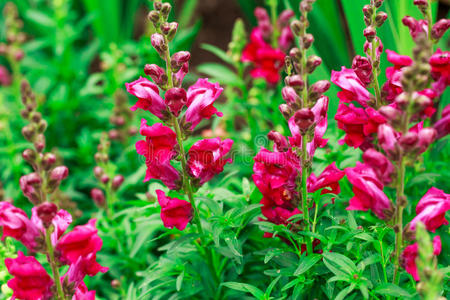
point(353, 89)
point(380, 164)
point(200, 101)
point(60, 222)
point(82, 293)
point(410, 254)
point(440, 66)
point(81, 241)
point(164, 172)
point(431, 210)
point(28, 184)
point(278, 215)
point(399, 61)
point(174, 212)
point(387, 138)
point(85, 265)
point(415, 26)
point(443, 125)
point(328, 180)
point(148, 97)
point(30, 280)
point(15, 223)
point(206, 158)
point(275, 174)
point(159, 143)
point(368, 191)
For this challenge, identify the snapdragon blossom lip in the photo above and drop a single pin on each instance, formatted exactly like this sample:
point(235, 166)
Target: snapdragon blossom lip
point(200, 100)
point(409, 255)
point(159, 142)
point(174, 212)
point(431, 210)
point(353, 89)
point(82, 293)
point(368, 191)
point(206, 158)
point(328, 180)
point(148, 97)
point(15, 223)
point(60, 222)
point(30, 280)
point(164, 172)
point(85, 265)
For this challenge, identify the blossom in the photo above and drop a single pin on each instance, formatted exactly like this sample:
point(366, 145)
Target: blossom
point(440, 66)
point(200, 101)
point(206, 158)
point(15, 223)
point(268, 61)
point(415, 26)
point(353, 89)
point(380, 164)
point(275, 174)
point(278, 215)
point(82, 293)
point(431, 210)
point(443, 125)
point(164, 172)
point(30, 280)
point(81, 241)
point(387, 138)
point(60, 222)
point(410, 254)
point(328, 180)
point(148, 97)
point(85, 265)
point(368, 191)
point(174, 212)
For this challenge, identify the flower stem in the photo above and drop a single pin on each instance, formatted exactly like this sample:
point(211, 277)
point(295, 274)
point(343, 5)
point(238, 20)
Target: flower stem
point(51, 257)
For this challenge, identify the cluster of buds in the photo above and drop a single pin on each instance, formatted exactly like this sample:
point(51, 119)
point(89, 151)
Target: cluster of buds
point(46, 177)
point(104, 173)
point(238, 41)
point(121, 118)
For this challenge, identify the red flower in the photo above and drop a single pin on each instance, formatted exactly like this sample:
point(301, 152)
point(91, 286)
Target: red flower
point(31, 281)
point(278, 215)
point(60, 222)
point(380, 164)
point(206, 158)
point(440, 66)
point(410, 253)
point(431, 210)
point(353, 89)
point(174, 212)
point(368, 191)
point(328, 180)
point(5, 76)
point(85, 265)
point(82, 293)
point(200, 100)
point(148, 97)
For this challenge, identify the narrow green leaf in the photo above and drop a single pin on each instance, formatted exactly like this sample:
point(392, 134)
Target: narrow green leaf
point(391, 289)
point(244, 287)
point(221, 73)
point(306, 263)
point(218, 52)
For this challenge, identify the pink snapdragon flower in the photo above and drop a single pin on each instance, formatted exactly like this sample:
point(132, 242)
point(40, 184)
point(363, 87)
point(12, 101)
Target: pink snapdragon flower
point(431, 210)
point(85, 265)
point(60, 222)
point(415, 26)
point(82, 293)
point(278, 215)
point(380, 164)
point(368, 191)
point(275, 174)
point(206, 158)
point(174, 212)
point(411, 252)
point(15, 223)
point(81, 241)
point(442, 126)
point(387, 138)
point(30, 280)
point(353, 89)
point(200, 100)
point(148, 97)
point(440, 66)
point(328, 180)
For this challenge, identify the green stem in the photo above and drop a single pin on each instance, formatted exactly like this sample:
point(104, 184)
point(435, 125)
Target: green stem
point(316, 210)
point(273, 16)
point(51, 257)
point(375, 67)
point(429, 17)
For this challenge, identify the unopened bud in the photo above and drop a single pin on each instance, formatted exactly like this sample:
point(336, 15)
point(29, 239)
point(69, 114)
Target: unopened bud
point(279, 140)
point(305, 6)
point(304, 118)
point(308, 39)
point(402, 101)
point(368, 11)
point(370, 33)
point(46, 212)
point(156, 73)
point(115, 283)
point(389, 113)
point(157, 5)
point(114, 134)
point(48, 160)
point(378, 3)
point(408, 141)
point(295, 81)
point(175, 99)
point(165, 9)
point(153, 16)
point(42, 126)
point(312, 63)
point(19, 55)
point(422, 5)
point(117, 182)
point(290, 95)
point(380, 18)
point(285, 110)
point(59, 173)
point(36, 117)
point(317, 89)
point(39, 142)
point(29, 155)
point(285, 16)
point(296, 27)
point(98, 197)
point(104, 179)
point(178, 59)
point(439, 28)
point(158, 43)
point(28, 132)
point(173, 27)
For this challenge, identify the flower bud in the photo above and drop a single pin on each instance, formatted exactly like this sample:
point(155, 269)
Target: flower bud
point(156, 73)
point(296, 27)
point(304, 118)
point(389, 113)
point(115, 283)
point(175, 99)
point(98, 196)
point(370, 33)
point(279, 140)
point(290, 95)
point(261, 14)
point(439, 28)
point(157, 5)
point(42, 126)
point(317, 89)
point(158, 43)
point(380, 18)
point(421, 102)
point(165, 9)
point(308, 39)
point(132, 130)
point(402, 100)
point(48, 160)
point(295, 81)
point(312, 63)
point(29, 155)
point(426, 137)
point(59, 173)
point(165, 27)
point(285, 110)
point(28, 132)
point(363, 68)
point(295, 54)
point(117, 182)
point(285, 16)
point(408, 141)
point(305, 6)
point(368, 11)
point(19, 55)
point(104, 179)
point(422, 5)
point(46, 212)
point(378, 3)
point(153, 16)
point(173, 27)
point(113, 134)
point(178, 59)
point(39, 142)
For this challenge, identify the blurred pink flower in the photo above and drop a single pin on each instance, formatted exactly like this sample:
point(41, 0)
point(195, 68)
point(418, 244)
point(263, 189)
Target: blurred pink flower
point(431, 210)
point(380, 164)
point(442, 126)
point(174, 212)
point(5, 76)
point(410, 254)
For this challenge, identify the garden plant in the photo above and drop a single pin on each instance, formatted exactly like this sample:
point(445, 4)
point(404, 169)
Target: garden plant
point(307, 159)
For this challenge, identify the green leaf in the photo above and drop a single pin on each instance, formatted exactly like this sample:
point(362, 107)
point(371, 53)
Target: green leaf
point(180, 281)
point(391, 289)
point(271, 286)
point(218, 52)
point(244, 287)
point(339, 264)
point(221, 73)
point(374, 258)
point(345, 292)
point(306, 263)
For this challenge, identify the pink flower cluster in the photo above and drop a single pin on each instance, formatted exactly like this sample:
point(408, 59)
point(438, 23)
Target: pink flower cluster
point(76, 248)
point(268, 61)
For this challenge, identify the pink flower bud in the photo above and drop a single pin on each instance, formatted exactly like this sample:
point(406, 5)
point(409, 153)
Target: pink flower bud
point(320, 87)
point(285, 110)
point(308, 40)
point(280, 142)
point(421, 3)
point(104, 179)
point(439, 28)
point(285, 16)
point(304, 118)
point(19, 55)
point(153, 16)
point(378, 3)
point(117, 181)
point(173, 27)
point(156, 73)
point(175, 99)
point(295, 81)
point(370, 33)
point(165, 9)
point(380, 18)
point(305, 6)
point(180, 58)
point(426, 137)
point(368, 11)
point(290, 95)
point(98, 171)
point(48, 160)
point(29, 155)
point(296, 27)
point(295, 54)
point(387, 139)
point(98, 196)
point(363, 68)
point(46, 212)
point(312, 63)
point(389, 113)
point(158, 43)
point(59, 173)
